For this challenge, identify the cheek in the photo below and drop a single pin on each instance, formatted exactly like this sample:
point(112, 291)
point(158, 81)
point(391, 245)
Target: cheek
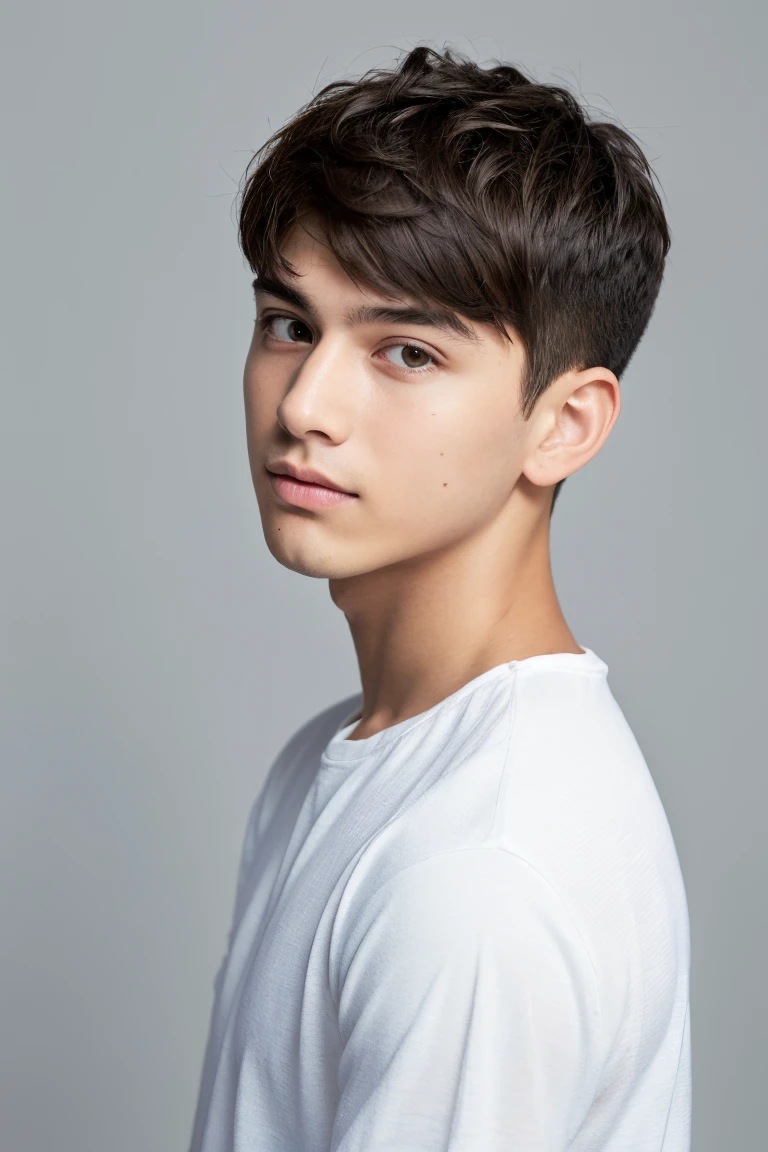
point(462, 460)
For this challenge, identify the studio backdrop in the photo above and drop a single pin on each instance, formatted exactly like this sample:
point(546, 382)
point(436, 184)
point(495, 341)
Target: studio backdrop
point(155, 657)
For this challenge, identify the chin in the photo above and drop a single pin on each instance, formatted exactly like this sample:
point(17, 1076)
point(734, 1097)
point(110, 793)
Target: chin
point(323, 557)
point(316, 558)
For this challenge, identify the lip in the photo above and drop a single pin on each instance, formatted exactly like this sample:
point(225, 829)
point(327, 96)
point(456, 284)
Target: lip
point(306, 475)
point(305, 487)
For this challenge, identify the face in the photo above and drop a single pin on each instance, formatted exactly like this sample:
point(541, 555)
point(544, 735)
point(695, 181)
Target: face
point(414, 416)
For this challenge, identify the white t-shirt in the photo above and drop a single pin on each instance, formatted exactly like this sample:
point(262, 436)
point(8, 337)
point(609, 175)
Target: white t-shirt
point(465, 933)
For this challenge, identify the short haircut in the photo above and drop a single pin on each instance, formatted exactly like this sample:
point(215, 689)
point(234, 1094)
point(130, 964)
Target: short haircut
point(477, 189)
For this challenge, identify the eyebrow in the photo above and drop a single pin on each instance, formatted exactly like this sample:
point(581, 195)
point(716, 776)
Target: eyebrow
point(429, 317)
point(442, 318)
point(283, 292)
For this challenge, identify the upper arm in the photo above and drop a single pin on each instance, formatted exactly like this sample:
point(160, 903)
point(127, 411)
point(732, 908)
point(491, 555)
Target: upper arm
point(468, 1012)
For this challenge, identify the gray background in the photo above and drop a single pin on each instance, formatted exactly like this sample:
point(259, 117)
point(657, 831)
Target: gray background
point(155, 655)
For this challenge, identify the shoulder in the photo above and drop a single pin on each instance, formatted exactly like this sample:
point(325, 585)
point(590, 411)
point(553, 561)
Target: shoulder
point(463, 897)
point(577, 798)
point(461, 916)
point(578, 801)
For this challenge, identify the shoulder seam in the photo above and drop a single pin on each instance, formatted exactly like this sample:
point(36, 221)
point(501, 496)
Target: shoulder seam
point(486, 846)
point(507, 851)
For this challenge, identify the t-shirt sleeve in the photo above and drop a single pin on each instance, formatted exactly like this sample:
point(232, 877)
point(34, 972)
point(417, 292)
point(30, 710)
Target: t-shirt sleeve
point(468, 1012)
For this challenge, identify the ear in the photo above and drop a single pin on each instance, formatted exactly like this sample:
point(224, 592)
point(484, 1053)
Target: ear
point(570, 423)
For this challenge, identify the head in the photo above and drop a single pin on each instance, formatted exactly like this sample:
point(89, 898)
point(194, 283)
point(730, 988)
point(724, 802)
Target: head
point(454, 266)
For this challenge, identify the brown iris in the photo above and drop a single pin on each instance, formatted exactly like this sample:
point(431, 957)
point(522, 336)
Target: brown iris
point(414, 357)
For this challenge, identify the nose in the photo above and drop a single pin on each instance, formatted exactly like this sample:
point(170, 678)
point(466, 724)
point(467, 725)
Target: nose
point(319, 397)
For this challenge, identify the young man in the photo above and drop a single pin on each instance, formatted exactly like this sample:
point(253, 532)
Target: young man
point(460, 922)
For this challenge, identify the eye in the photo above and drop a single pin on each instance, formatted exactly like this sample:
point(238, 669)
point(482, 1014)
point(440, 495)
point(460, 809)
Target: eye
point(287, 329)
point(409, 356)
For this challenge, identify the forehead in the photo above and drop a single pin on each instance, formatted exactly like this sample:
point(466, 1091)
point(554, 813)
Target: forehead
point(307, 250)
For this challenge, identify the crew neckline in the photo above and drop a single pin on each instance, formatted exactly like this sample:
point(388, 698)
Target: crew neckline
point(340, 749)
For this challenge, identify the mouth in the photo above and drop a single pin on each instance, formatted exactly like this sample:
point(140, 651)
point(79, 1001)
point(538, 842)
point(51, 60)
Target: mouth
point(306, 493)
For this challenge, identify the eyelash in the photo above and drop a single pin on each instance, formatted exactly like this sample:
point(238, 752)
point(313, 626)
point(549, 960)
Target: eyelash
point(265, 323)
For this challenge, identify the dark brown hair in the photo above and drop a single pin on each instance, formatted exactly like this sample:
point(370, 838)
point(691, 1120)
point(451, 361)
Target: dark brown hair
point(477, 189)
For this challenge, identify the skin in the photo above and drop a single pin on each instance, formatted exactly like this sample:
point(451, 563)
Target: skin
point(441, 564)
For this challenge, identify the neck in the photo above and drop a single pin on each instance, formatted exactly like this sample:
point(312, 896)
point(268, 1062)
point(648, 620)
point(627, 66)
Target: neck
point(424, 627)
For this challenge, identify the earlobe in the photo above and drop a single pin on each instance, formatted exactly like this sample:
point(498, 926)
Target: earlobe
point(580, 411)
